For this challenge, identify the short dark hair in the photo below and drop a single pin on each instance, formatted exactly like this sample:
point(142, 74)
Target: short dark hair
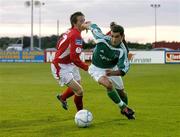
point(112, 24)
point(118, 28)
point(73, 18)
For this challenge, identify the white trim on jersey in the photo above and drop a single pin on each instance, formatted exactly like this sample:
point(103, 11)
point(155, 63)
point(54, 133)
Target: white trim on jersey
point(65, 53)
point(126, 61)
point(64, 39)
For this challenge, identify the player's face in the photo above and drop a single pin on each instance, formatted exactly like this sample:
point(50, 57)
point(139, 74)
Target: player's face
point(116, 38)
point(80, 21)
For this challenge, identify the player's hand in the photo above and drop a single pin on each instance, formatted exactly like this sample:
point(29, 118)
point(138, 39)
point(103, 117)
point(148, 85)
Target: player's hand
point(86, 25)
point(108, 72)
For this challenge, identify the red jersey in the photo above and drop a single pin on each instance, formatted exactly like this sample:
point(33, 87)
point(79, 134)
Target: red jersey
point(69, 48)
point(108, 33)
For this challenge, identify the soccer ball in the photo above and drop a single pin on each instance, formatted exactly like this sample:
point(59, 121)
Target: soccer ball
point(83, 118)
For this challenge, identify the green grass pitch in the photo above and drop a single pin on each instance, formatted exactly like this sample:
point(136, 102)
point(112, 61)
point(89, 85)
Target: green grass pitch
point(29, 108)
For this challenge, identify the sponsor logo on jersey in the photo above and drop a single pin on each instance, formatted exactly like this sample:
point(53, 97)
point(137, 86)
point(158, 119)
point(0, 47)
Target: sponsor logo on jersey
point(105, 58)
point(79, 42)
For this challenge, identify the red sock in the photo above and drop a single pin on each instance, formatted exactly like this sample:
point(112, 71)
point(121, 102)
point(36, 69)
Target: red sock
point(67, 93)
point(78, 101)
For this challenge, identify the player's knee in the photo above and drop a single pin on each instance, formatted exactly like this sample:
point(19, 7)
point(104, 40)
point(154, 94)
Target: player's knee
point(106, 82)
point(79, 91)
point(109, 85)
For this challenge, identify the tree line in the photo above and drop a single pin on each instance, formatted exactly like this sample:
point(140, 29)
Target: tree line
point(50, 42)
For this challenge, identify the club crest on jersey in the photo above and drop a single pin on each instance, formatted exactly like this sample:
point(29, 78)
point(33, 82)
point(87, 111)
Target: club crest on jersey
point(79, 42)
point(78, 50)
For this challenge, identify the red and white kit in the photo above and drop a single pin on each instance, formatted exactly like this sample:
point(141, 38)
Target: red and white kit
point(66, 63)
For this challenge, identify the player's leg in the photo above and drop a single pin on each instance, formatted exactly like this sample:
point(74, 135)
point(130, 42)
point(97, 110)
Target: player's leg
point(118, 84)
point(55, 70)
point(67, 77)
point(78, 100)
point(75, 89)
point(98, 75)
point(113, 95)
point(64, 96)
point(123, 95)
point(78, 90)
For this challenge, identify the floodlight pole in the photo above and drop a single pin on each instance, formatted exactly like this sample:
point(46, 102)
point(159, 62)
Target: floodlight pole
point(58, 28)
point(155, 6)
point(32, 41)
point(35, 3)
point(40, 27)
point(40, 4)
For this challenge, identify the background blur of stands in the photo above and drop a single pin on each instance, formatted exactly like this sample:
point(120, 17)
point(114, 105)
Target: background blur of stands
point(136, 57)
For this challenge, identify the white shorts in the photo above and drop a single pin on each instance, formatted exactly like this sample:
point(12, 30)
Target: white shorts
point(66, 73)
point(96, 73)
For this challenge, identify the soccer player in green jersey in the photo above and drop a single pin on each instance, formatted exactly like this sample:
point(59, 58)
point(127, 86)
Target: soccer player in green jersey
point(109, 62)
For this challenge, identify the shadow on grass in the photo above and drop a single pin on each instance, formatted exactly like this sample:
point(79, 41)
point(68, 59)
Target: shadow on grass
point(15, 123)
point(120, 122)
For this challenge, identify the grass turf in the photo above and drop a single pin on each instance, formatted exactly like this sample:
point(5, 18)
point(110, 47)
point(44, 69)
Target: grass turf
point(29, 108)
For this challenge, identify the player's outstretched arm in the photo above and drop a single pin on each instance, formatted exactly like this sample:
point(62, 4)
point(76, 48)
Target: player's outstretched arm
point(96, 31)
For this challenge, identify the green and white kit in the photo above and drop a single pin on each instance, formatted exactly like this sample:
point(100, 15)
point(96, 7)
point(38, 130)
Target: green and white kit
point(106, 57)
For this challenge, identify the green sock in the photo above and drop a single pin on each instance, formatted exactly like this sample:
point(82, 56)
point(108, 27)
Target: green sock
point(113, 95)
point(125, 99)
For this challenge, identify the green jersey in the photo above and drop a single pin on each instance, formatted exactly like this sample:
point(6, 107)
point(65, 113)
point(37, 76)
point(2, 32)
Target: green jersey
point(107, 56)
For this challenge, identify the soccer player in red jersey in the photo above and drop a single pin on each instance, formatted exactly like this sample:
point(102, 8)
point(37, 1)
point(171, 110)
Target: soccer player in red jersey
point(66, 64)
point(112, 24)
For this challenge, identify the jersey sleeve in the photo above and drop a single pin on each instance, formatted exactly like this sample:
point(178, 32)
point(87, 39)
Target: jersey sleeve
point(76, 43)
point(108, 33)
point(97, 33)
point(123, 63)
